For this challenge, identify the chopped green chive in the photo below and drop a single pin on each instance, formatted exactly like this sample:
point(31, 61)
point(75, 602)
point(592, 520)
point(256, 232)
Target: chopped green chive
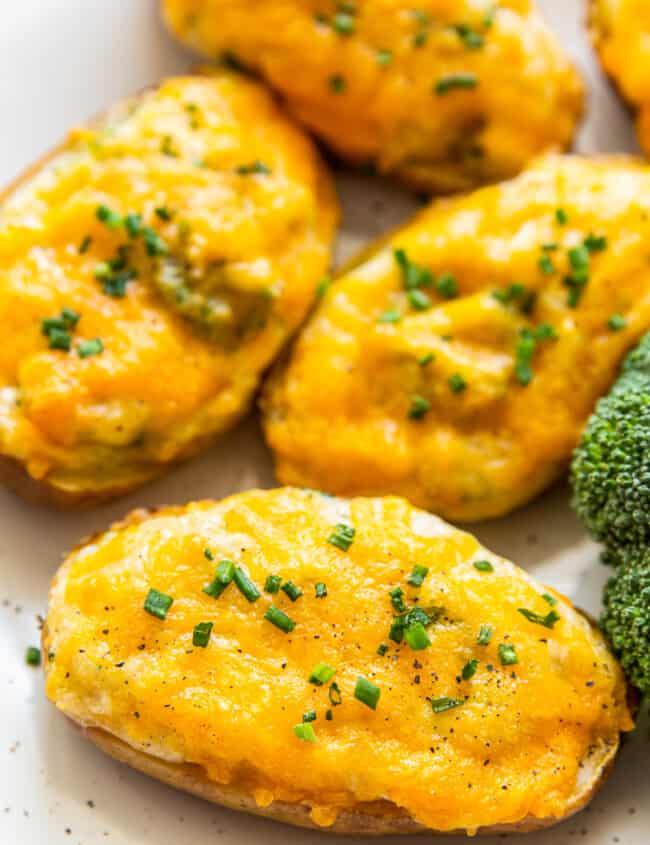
point(290, 589)
point(321, 674)
point(201, 634)
point(507, 655)
point(483, 566)
point(447, 286)
point(342, 537)
point(525, 350)
point(419, 407)
point(337, 83)
point(457, 383)
point(595, 243)
point(617, 322)
point(390, 316)
point(280, 619)
point(485, 634)
point(88, 348)
point(323, 286)
point(334, 695)
point(397, 599)
point(384, 58)
point(157, 604)
point(418, 300)
point(208, 553)
point(382, 648)
point(561, 216)
point(549, 599)
point(84, 246)
point(309, 716)
point(473, 40)
point(133, 224)
point(153, 243)
point(109, 217)
point(426, 359)
point(329, 715)
point(367, 693)
point(163, 213)
point(546, 264)
point(33, 656)
point(418, 575)
point(547, 621)
point(343, 23)
point(455, 81)
point(469, 669)
point(245, 585)
point(224, 574)
point(254, 167)
point(167, 147)
point(413, 275)
point(59, 339)
point(305, 732)
point(272, 583)
point(514, 292)
point(440, 705)
point(416, 636)
point(321, 590)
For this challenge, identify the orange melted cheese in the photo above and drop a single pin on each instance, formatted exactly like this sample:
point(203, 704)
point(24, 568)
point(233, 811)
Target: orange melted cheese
point(161, 386)
point(621, 33)
point(365, 80)
point(338, 416)
point(512, 749)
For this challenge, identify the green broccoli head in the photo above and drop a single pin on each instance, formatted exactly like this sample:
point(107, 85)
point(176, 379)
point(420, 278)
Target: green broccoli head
point(611, 466)
point(626, 619)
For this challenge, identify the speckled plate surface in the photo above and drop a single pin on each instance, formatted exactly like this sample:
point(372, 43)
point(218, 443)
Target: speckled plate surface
point(60, 62)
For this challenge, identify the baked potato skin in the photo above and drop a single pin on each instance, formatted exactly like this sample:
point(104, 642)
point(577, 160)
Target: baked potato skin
point(203, 175)
point(379, 397)
point(373, 80)
point(620, 32)
point(126, 676)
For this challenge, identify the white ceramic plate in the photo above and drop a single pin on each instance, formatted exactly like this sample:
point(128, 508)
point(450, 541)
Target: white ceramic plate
point(62, 61)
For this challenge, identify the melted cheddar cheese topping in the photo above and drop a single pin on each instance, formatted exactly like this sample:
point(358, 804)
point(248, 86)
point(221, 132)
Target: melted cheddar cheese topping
point(183, 237)
point(456, 363)
point(512, 746)
point(447, 94)
point(621, 33)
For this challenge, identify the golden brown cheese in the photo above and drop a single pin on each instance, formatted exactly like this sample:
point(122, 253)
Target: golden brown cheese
point(620, 30)
point(462, 736)
point(446, 94)
point(461, 375)
point(186, 234)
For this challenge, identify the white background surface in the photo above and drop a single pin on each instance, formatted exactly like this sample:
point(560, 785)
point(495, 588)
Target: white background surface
point(62, 61)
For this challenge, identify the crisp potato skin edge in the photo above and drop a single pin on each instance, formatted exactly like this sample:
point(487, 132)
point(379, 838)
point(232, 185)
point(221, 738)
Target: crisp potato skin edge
point(377, 818)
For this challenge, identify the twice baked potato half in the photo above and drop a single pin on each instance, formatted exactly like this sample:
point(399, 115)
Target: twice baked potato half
point(150, 270)
point(444, 94)
point(457, 363)
point(354, 665)
point(620, 32)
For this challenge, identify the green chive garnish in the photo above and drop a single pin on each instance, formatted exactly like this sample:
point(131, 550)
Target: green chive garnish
point(485, 634)
point(561, 216)
point(418, 575)
point(419, 407)
point(439, 705)
point(549, 599)
point(85, 244)
point(483, 566)
point(157, 604)
point(290, 589)
point(342, 537)
point(457, 383)
point(305, 732)
point(309, 716)
point(343, 23)
point(454, 81)
point(390, 316)
point(133, 224)
point(334, 695)
point(617, 322)
point(323, 286)
point(469, 669)
point(382, 648)
point(209, 554)
point(88, 348)
point(245, 585)
point(33, 656)
point(397, 600)
point(507, 655)
point(253, 167)
point(547, 621)
point(224, 574)
point(367, 693)
point(546, 264)
point(337, 83)
point(107, 216)
point(473, 40)
point(321, 590)
point(416, 636)
point(447, 286)
point(384, 58)
point(272, 583)
point(201, 634)
point(321, 674)
point(418, 300)
point(163, 213)
point(595, 243)
point(426, 359)
point(280, 619)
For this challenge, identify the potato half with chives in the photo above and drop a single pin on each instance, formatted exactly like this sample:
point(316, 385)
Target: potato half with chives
point(457, 363)
point(150, 270)
point(620, 32)
point(444, 94)
point(474, 700)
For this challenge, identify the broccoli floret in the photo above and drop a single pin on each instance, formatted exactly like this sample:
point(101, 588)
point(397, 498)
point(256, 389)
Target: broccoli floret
point(611, 466)
point(626, 618)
